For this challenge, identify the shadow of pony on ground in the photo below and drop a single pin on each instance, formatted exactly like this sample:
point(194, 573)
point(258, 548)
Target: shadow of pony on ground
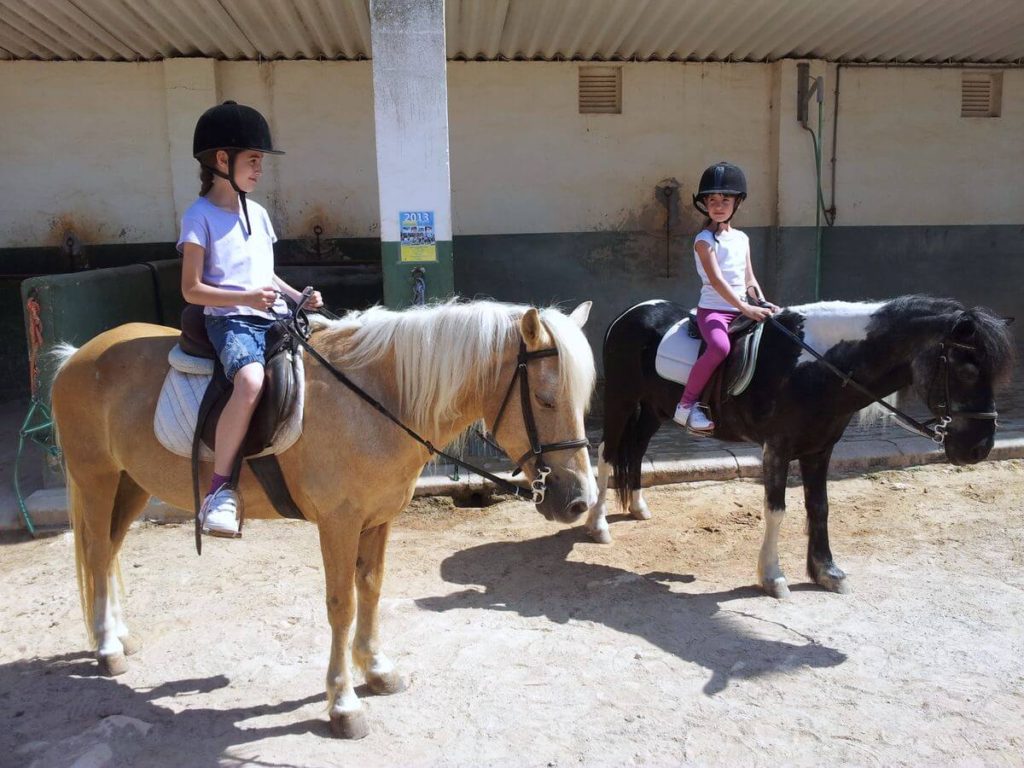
point(58, 711)
point(536, 578)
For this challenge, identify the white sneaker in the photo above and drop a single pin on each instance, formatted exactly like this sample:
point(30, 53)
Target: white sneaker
point(219, 514)
point(682, 415)
point(698, 422)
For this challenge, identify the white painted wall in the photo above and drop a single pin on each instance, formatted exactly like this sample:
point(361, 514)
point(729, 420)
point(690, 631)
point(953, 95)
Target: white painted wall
point(905, 156)
point(89, 145)
point(525, 160)
point(83, 145)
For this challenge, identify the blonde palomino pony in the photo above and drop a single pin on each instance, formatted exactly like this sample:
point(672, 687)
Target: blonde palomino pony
point(439, 369)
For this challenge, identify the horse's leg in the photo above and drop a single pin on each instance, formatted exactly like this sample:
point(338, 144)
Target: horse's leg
point(820, 566)
point(91, 496)
point(646, 427)
point(129, 502)
point(380, 672)
point(597, 524)
point(339, 545)
point(775, 469)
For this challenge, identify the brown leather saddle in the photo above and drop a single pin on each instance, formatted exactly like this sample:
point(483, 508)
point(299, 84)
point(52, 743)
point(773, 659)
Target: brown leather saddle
point(735, 374)
point(276, 403)
point(279, 390)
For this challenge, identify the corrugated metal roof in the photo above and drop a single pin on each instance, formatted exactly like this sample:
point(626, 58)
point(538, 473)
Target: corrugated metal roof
point(923, 31)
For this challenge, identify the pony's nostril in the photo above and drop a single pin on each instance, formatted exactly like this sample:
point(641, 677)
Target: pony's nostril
point(577, 508)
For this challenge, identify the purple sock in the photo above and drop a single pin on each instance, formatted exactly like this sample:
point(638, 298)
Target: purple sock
point(218, 481)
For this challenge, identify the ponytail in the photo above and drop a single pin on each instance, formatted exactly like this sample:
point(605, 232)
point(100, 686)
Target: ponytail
point(206, 159)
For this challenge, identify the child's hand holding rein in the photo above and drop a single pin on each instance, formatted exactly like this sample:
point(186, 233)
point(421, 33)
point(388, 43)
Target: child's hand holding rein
point(260, 298)
point(758, 314)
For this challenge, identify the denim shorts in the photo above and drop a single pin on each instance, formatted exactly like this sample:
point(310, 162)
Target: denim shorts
point(238, 339)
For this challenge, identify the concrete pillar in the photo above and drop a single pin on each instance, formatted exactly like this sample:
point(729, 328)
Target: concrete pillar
point(190, 88)
point(410, 97)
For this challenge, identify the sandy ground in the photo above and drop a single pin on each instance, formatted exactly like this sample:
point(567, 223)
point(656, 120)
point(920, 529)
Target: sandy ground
point(527, 645)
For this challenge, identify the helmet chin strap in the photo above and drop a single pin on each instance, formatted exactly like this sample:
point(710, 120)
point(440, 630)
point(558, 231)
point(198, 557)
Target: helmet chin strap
point(230, 176)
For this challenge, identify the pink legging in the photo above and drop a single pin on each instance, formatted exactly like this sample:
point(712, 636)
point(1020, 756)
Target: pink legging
point(714, 327)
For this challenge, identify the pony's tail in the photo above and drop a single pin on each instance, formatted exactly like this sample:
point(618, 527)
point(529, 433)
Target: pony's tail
point(626, 457)
point(58, 357)
point(86, 584)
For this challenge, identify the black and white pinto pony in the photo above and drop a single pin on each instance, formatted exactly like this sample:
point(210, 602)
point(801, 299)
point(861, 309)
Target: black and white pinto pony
point(796, 408)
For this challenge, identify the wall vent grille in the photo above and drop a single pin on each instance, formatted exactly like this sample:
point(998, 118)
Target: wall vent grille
point(600, 90)
point(981, 94)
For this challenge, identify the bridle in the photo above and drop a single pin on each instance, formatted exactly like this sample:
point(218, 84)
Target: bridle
point(944, 409)
point(934, 429)
point(537, 449)
point(538, 487)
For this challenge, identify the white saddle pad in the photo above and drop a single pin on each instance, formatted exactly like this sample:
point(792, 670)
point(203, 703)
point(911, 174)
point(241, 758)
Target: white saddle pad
point(177, 409)
point(677, 353)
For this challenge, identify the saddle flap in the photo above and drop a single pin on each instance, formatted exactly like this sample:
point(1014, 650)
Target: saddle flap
point(742, 362)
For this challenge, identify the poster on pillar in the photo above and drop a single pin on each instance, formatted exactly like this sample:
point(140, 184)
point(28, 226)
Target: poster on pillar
point(417, 236)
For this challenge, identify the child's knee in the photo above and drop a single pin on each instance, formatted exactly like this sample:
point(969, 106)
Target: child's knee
point(248, 381)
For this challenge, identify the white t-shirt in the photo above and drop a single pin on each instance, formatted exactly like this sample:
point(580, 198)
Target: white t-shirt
point(233, 260)
point(731, 254)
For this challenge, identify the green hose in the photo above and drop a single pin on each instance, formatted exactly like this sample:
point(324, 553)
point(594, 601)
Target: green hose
point(41, 434)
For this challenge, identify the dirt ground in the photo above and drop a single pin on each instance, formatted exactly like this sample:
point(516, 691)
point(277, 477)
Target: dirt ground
point(528, 645)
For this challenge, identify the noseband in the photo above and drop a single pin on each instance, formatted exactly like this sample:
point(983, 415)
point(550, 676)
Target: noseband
point(537, 449)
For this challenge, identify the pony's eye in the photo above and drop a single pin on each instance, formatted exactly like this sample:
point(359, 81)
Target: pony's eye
point(544, 403)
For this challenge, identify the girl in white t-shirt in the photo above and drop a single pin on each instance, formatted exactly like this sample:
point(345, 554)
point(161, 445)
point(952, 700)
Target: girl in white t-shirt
point(226, 243)
point(722, 254)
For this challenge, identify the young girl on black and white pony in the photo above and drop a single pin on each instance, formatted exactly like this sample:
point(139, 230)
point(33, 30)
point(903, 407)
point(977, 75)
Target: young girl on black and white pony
point(228, 267)
point(722, 254)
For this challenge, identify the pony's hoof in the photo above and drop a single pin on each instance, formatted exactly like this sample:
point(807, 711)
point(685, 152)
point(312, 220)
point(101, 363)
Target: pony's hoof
point(132, 644)
point(642, 512)
point(349, 725)
point(832, 578)
point(601, 536)
point(113, 665)
point(777, 588)
point(386, 684)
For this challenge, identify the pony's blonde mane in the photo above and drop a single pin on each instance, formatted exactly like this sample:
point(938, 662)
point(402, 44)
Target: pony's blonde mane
point(444, 351)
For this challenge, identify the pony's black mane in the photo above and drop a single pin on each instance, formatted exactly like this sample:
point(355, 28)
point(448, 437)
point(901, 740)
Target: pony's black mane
point(993, 345)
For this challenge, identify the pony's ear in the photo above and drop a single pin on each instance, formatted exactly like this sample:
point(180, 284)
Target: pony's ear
point(581, 313)
point(1009, 320)
point(532, 328)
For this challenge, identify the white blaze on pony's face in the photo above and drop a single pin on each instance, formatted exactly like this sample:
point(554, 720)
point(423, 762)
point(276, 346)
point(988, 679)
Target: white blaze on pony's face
point(826, 323)
point(560, 387)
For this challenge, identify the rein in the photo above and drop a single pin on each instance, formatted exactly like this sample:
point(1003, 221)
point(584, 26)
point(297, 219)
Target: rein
point(538, 486)
point(934, 429)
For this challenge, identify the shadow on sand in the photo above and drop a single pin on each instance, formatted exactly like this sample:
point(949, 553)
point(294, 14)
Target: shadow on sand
point(536, 578)
point(71, 713)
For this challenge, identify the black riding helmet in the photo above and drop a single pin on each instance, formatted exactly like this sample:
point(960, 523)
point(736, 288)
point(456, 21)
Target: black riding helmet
point(232, 127)
point(722, 178)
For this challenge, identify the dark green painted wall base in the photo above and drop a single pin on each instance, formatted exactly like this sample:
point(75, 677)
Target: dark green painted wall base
point(975, 264)
point(347, 272)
